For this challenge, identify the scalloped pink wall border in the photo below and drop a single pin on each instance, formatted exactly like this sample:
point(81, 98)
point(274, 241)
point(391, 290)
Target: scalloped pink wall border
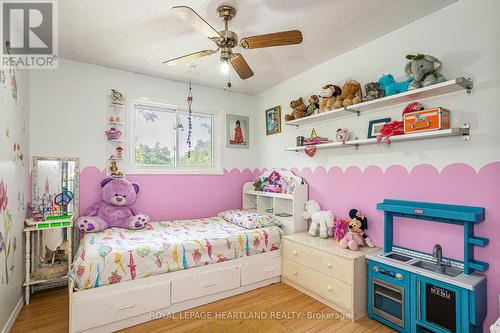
point(190, 196)
point(169, 197)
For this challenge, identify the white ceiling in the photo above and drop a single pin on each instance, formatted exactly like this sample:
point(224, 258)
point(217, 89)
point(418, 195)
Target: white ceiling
point(137, 35)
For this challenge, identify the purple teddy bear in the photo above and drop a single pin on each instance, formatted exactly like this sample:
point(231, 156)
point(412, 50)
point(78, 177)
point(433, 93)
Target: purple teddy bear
point(115, 209)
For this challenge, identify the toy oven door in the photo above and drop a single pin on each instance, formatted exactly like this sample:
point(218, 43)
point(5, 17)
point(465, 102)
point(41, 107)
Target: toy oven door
point(388, 301)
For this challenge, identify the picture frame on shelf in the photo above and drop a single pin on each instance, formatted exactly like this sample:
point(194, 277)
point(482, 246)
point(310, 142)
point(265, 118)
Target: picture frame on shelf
point(273, 120)
point(237, 131)
point(374, 127)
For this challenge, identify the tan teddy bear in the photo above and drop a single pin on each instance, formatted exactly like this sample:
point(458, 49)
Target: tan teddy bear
point(298, 110)
point(351, 94)
point(329, 95)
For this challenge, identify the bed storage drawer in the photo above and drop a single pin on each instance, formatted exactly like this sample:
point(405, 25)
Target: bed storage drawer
point(120, 302)
point(262, 270)
point(202, 284)
point(324, 286)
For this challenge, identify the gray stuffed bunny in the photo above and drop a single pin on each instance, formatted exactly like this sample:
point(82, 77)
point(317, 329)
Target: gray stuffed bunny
point(424, 69)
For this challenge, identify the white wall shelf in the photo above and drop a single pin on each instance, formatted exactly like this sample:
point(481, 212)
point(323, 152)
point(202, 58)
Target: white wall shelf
point(456, 131)
point(276, 204)
point(458, 84)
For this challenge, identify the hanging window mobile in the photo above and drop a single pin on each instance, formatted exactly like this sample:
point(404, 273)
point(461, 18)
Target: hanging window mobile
point(190, 124)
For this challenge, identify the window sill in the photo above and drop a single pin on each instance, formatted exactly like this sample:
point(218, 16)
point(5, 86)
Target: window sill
point(177, 171)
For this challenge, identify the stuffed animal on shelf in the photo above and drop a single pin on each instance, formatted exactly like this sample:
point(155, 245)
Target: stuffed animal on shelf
point(298, 110)
point(351, 94)
point(116, 208)
point(274, 182)
point(373, 91)
point(424, 69)
point(313, 106)
point(321, 220)
point(340, 226)
point(342, 135)
point(329, 95)
point(260, 183)
point(391, 87)
point(396, 127)
point(356, 236)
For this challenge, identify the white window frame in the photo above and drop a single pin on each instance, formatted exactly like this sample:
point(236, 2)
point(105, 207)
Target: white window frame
point(215, 168)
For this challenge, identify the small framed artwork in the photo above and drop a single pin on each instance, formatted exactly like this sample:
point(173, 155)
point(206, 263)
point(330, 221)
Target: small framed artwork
point(273, 120)
point(375, 125)
point(237, 129)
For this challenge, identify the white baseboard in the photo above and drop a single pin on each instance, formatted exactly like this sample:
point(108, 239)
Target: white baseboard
point(13, 316)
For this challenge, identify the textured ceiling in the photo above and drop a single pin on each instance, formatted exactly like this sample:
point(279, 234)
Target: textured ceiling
point(137, 35)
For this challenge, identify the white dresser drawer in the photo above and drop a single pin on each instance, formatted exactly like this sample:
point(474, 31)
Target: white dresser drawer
point(119, 302)
point(326, 263)
point(324, 286)
point(261, 270)
point(201, 284)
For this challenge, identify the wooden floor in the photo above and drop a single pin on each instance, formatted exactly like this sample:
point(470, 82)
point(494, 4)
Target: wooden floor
point(48, 312)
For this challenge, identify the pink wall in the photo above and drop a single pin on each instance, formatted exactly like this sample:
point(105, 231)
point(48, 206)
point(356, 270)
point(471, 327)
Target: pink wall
point(190, 196)
point(339, 191)
point(167, 197)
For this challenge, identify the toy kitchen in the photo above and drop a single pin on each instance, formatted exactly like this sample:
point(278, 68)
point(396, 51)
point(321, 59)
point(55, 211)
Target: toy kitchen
point(411, 291)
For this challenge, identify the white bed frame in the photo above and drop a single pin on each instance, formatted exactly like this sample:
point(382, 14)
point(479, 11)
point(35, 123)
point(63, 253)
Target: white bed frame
point(113, 307)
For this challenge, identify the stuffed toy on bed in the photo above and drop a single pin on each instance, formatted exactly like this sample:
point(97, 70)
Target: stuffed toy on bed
point(116, 208)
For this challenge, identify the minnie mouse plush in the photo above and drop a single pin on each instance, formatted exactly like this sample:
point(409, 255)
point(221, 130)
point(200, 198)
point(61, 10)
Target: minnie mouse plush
point(356, 236)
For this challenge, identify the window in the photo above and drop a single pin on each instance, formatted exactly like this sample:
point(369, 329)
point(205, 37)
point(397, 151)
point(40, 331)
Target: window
point(159, 135)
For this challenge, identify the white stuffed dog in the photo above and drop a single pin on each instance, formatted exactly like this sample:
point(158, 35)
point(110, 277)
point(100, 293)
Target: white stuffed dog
point(321, 220)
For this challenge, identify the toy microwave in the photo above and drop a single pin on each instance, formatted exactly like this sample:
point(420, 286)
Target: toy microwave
point(426, 120)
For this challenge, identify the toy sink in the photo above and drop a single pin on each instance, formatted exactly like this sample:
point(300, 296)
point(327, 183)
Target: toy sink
point(440, 269)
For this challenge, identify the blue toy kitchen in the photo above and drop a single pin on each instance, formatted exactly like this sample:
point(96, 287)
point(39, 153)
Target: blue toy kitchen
point(413, 292)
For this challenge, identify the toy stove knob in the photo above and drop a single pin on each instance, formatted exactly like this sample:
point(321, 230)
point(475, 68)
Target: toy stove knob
point(399, 276)
point(375, 268)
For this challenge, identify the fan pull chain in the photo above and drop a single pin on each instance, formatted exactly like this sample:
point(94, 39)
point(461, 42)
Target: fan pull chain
point(190, 114)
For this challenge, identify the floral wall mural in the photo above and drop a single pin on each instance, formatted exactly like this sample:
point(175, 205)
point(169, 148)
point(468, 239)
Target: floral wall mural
point(14, 143)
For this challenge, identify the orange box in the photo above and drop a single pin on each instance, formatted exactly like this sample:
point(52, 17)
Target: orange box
point(427, 120)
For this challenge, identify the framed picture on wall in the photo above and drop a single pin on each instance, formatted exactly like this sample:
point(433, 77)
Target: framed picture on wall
point(374, 127)
point(237, 129)
point(273, 120)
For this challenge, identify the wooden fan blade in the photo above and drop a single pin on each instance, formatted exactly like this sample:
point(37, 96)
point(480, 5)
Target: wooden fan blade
point(196, 21)
point(241, 66)
point(189, 57)
point(274, 39)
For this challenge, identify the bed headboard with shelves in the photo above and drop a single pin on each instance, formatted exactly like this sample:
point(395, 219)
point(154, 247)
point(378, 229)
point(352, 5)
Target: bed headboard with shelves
point(288, 208)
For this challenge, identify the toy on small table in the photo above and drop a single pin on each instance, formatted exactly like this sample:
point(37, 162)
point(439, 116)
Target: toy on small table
point(356, 236)
point(321, 220)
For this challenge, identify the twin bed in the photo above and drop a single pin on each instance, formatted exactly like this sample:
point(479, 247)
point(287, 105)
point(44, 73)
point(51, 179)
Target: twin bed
point(122, 277)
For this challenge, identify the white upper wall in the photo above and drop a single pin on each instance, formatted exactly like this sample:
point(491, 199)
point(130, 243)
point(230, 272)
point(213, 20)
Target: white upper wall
point(464, 36)
point(68, 109)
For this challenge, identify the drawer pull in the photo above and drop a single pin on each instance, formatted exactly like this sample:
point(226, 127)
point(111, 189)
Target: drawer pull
point(125, 307)
point(330, 265)
point(295, 273)
point(210, 284)
point(295, 253)
point(329, 288)
point(268, 270)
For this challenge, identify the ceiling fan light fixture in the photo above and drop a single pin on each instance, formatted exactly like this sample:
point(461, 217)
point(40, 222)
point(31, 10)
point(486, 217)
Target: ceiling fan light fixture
point(224, 67)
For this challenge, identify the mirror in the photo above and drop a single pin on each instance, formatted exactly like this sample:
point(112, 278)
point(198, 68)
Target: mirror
point(55, 188)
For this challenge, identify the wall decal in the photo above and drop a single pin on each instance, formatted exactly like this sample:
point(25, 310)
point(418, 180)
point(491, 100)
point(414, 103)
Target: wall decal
point(5, 240)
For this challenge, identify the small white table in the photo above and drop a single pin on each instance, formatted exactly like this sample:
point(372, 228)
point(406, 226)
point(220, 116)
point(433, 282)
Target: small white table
point(33, 235)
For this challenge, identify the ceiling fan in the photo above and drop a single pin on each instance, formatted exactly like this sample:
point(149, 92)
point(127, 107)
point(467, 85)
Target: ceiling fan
point(226, 40)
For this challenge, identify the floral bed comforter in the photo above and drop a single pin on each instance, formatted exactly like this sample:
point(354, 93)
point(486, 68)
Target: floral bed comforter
point(116, 255)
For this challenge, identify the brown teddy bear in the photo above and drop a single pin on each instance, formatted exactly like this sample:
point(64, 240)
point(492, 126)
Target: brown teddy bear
point(313, 106)
point(329, 95)
point(351, 94)
point(298, 110)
